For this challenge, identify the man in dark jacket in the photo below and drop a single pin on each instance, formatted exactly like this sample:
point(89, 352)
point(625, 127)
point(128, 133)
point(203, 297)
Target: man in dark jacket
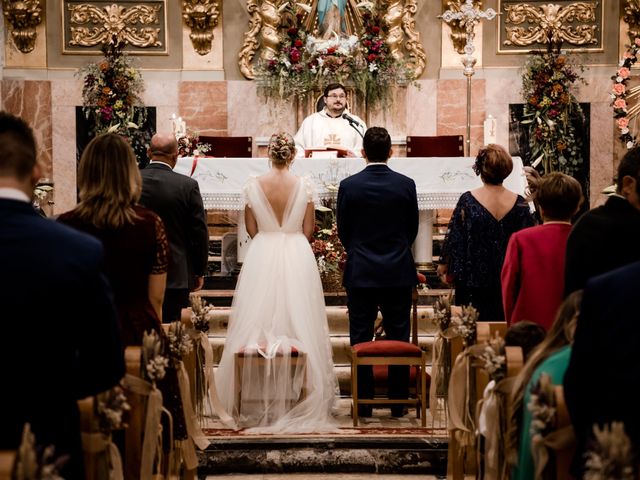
point(176, 199)
point(377, 224)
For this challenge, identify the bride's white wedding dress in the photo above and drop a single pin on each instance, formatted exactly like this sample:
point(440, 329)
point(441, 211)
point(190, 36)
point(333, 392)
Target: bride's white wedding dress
point(279, 305)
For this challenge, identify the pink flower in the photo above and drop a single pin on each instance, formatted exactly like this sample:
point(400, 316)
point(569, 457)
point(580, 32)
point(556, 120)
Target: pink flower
point(623, 122)
point(624, 72)
point(619, 88)
point(620, 103)
point(637, 41)
point(294, 55)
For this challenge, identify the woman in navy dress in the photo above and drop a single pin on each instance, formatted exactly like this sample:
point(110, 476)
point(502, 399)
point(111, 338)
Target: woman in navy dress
point(478, 234)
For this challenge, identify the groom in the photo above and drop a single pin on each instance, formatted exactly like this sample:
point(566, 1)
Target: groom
point(377, 224)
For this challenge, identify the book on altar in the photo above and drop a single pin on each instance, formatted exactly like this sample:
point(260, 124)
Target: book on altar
point(327, 151)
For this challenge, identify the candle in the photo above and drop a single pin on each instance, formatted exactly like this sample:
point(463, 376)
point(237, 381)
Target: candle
point(490, 127)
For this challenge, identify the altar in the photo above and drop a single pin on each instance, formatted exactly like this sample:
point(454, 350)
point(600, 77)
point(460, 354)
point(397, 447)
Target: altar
point(439, 183)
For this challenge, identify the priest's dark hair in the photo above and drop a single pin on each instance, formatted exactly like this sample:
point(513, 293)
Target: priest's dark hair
point(377, 144)
point(17, 147)
point(334, 86)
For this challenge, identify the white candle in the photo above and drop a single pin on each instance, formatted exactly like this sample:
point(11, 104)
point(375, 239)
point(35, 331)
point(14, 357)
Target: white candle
point(490, 133)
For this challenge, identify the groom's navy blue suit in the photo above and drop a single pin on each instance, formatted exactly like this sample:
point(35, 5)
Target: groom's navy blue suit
point(377, 224)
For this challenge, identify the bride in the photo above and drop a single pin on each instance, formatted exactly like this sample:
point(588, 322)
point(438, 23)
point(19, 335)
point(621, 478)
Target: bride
point(278, 308)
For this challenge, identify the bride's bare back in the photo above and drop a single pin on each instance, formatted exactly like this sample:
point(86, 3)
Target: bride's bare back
point(278, 186)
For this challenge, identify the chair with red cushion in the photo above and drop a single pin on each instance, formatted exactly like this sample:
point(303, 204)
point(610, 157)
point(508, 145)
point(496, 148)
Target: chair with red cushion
point(382, 353)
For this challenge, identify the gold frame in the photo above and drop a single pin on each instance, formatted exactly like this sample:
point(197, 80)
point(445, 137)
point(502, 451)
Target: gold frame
point(134, 51)
point(500, 34)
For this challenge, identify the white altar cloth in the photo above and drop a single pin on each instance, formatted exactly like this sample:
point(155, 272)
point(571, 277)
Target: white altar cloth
point(439, 181)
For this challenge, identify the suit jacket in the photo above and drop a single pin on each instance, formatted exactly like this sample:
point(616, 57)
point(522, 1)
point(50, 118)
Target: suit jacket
point(60, 340)
point(533, 274)
point(176, 199)
point(603, 378)
point(603, 239)
point(377, 224)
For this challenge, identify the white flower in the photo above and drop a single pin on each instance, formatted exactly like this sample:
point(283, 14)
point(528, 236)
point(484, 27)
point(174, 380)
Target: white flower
point(373, 67)
point(619, 79)
point(132, 125)
point(113, 128)
point(624, 131)
point(629, 145)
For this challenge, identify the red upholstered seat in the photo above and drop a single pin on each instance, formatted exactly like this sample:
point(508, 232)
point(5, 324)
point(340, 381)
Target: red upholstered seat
point(387, 348)
point(249, 352)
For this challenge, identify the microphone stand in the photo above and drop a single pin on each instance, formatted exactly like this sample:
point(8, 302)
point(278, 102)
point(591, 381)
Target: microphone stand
point(353, 125)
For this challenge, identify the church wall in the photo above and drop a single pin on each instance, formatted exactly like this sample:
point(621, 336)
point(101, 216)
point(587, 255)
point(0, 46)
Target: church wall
point(211, 94)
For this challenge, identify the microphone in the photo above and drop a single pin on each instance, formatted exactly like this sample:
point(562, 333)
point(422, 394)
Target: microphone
point(350, 119)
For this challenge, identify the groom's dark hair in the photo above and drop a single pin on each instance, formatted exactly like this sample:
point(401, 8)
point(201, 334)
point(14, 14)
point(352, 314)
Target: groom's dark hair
point(377, 144)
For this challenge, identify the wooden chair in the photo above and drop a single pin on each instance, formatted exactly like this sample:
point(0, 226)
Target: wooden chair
point(238, 147)
point(435, 146)
point(7, 462)
point(298, 359)
point(382, 353)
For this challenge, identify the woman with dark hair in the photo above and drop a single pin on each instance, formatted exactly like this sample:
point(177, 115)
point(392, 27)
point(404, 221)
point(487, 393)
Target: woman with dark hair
point(478, 233)
point(551, 356)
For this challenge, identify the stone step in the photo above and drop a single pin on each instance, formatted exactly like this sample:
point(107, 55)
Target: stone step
point(325, 454)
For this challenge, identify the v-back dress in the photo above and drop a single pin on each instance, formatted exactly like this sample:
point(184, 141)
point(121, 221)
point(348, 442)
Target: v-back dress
point(278, 308)
point(474, 249)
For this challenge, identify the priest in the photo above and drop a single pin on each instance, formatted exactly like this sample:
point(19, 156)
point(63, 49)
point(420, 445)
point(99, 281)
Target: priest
point(333, 127)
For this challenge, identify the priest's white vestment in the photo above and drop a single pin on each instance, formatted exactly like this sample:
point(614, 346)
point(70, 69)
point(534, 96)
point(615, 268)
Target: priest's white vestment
point(321, 130)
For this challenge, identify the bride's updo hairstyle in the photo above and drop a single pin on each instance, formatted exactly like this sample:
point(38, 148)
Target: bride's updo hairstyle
point(282, 149)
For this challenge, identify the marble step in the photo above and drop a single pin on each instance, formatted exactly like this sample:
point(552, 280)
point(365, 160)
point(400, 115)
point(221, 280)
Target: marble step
point(337, 317)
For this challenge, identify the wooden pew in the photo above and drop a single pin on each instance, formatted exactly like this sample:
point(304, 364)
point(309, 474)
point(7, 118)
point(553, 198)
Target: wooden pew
point(7, 462)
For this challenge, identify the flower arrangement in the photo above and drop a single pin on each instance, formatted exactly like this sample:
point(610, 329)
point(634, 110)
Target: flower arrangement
point(621, 94)
point(328, 250)
point(464, 325)
point(612, 454)
point(442, 312)
point(542, 407)
point(189, 144)
point(304, 63)
point(153, 361)
point(111, 407)
point(493, 359)
point(111, 92)
point(33, 463)
point(180, 343)
point(551, 111)
point(200, 312)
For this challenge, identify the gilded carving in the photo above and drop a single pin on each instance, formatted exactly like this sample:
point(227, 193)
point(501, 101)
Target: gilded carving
point(202, 17)
point(23, 17)
point(268, 23)
point(632, 18)
point(574, 23)
point(127, 24)
point(458, 27)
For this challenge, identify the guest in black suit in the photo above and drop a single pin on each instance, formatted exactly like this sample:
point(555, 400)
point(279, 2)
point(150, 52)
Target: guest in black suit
point(602, 381)
point(59, 339)
point(377, 224)
point(176, 199)
point(607, 236)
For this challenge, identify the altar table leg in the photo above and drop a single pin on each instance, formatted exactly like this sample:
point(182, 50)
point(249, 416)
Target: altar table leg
point(423, 245)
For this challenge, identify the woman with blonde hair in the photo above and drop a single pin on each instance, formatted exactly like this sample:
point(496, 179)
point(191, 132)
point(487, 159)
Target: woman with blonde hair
point(551, 356)
point(278, 310)
point(134, 238)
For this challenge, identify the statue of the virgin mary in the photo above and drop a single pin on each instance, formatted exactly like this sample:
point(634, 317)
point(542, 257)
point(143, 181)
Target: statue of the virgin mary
point(335, 18)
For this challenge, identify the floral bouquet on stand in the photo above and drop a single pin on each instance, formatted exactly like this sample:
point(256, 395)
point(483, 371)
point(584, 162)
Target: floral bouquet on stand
point(330, 256)
point(189, 144)
point(111, 96)
point(552, 112)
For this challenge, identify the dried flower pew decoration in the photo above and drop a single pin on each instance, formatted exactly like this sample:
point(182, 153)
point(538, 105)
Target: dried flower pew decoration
point(180, 343)
point(111, 407)
point(154, 363)
point(200, 313)
point(611, 455)
point(493, 359)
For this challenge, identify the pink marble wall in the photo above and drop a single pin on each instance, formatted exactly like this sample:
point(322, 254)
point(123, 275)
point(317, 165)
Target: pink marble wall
point(203, 106)
point(452, 109)
point(31, 100)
